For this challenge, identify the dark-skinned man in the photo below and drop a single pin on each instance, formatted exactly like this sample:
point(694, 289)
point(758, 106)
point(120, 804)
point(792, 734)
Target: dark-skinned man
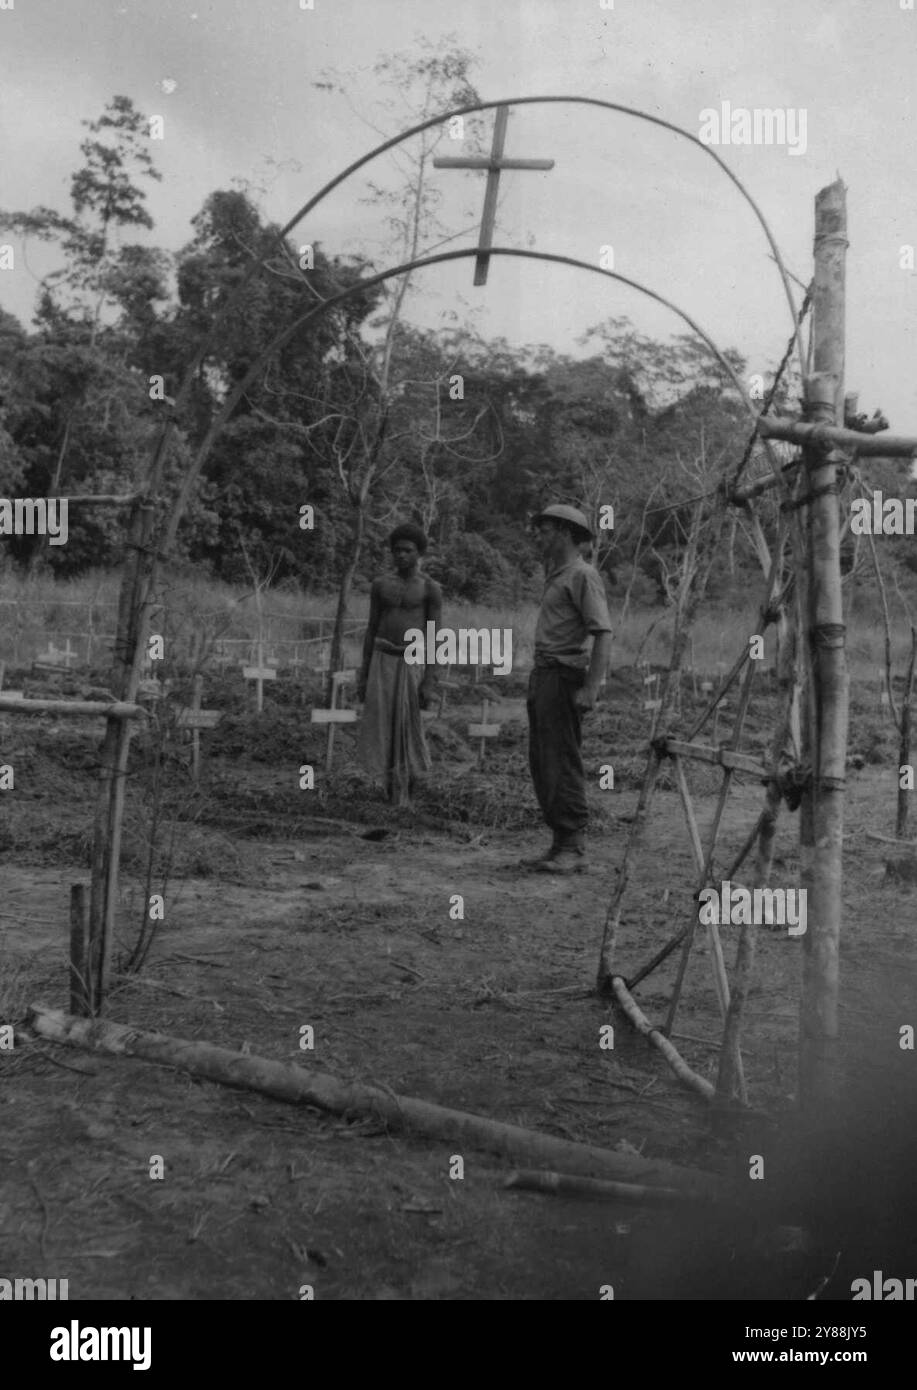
point(564, 683)
point(391, 743)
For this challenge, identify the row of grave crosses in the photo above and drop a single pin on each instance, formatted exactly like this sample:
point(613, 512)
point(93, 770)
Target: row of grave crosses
point(193, 718)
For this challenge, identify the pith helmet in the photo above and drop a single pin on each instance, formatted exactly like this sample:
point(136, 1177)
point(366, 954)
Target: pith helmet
point(559, 512)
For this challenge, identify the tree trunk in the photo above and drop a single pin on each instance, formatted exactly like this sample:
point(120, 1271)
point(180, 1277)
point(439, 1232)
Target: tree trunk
point(818, 1049)
point(336, 659)
point(904, 745)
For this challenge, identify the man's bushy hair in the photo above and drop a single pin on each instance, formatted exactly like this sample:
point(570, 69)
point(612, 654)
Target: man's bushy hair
point(407, 531)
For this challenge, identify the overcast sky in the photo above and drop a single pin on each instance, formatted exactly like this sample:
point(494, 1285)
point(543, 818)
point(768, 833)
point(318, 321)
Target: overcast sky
point(244, 106)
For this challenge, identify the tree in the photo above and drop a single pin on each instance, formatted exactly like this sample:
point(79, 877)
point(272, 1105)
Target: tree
point(96, 271)
point(271, 457)
point(435, 78)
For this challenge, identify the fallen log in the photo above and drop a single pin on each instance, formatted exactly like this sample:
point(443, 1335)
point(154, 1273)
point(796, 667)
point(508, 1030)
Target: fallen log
point(68, 709)
point(674, 1058)
point(567, 1185)
point(288, 1082)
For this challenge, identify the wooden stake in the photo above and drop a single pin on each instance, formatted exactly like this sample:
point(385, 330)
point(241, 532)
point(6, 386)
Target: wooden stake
point(483, 732)
point(660, 956)
point(259, 674)
point(80, 1001)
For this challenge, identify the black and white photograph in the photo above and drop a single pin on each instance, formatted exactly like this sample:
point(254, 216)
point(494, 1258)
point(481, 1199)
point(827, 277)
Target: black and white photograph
point(458, 656)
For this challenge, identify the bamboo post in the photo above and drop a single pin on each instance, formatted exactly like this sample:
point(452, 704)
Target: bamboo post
point(133, 612)
point(816, 433)
point(822, 859)
point(904, 745)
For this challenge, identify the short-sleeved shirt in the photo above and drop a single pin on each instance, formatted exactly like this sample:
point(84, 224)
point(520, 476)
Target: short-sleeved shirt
point(572, 608)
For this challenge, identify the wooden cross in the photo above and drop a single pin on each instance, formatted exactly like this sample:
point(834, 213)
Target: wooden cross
point(57, 660)
point(259, 674)
point(334, 716)
point(483, 731)
point(195, 719)
point(494, 165)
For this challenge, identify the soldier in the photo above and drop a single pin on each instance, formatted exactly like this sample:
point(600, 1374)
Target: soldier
point(565, 682)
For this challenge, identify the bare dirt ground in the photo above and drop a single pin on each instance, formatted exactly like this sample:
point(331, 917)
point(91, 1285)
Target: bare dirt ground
point(286, 908)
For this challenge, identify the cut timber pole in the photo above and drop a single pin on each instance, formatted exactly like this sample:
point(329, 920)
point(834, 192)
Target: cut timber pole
point(302, 1086)
point(817, 432)
point(118, 709)
point(821, 859)
point(566, 1185)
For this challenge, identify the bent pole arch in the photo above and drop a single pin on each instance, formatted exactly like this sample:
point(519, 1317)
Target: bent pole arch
point(307, 207)
point(277, 342)
point(576, 101)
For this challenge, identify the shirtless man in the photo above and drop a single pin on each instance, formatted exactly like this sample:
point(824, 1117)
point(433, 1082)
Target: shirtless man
point(391, 744)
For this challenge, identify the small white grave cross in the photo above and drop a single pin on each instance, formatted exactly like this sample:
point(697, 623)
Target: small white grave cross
point(259, 674)
point(195, 719)
point(54, 656)
point(334, 716)
point(483, 731)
